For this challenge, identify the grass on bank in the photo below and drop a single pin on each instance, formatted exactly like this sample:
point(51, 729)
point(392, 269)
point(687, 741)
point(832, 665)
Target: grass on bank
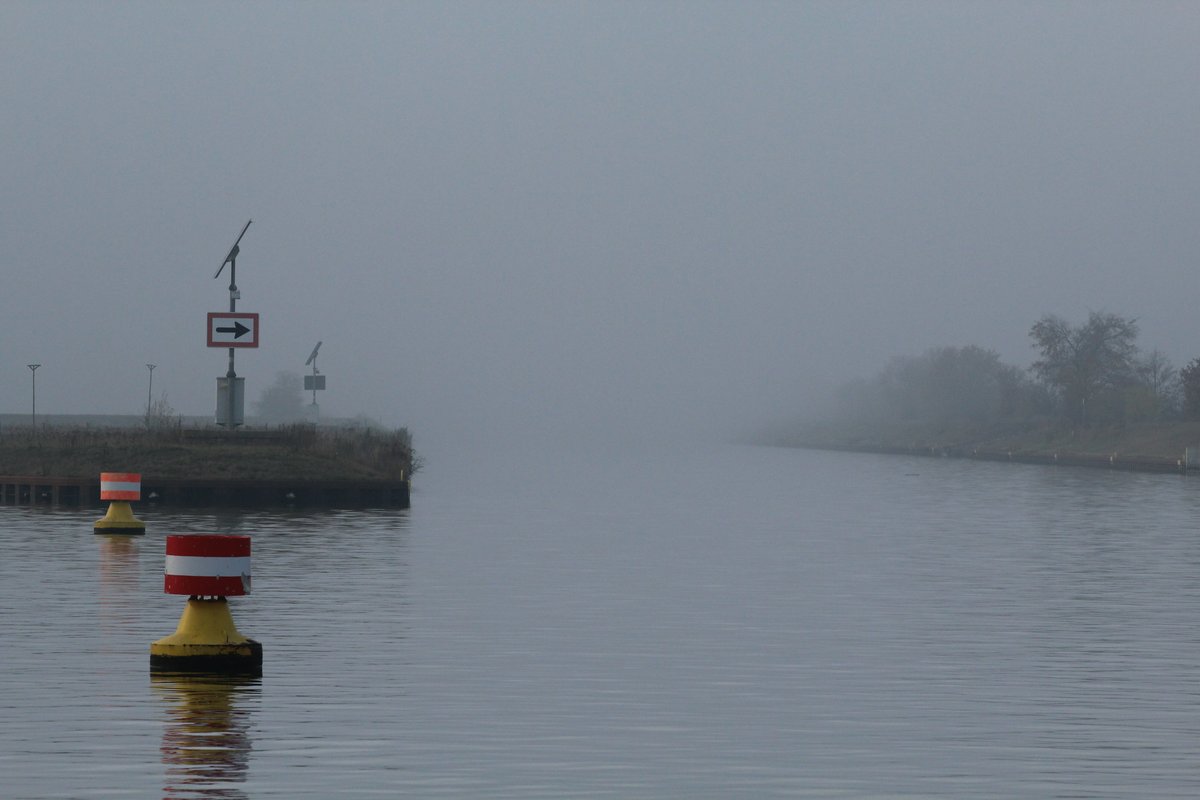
point(1162, 440)
point(295, 452)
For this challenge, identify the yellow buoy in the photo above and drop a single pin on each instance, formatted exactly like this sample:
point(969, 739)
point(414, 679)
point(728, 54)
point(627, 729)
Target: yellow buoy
point(207, 640)
point(120, 519)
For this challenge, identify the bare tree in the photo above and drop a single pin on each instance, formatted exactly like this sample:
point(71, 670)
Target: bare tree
point(1160, 381)
point(282, 401)
point(160, 414)
point(1189, 380)
point(1085, 364)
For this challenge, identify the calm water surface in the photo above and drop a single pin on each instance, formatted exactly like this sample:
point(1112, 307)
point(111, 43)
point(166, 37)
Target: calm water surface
point(709, 623)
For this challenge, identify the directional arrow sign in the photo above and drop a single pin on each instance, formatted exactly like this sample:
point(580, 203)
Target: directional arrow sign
point(229, 329)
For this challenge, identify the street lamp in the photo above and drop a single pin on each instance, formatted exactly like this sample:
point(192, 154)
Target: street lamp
point(150, 389)
point(33, 374)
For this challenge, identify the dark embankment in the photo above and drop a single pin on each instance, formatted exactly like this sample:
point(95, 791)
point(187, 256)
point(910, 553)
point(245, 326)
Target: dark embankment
point(215, 466)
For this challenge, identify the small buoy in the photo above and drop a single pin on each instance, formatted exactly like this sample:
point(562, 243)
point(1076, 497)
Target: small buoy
point(119, 488)
point(207, 568)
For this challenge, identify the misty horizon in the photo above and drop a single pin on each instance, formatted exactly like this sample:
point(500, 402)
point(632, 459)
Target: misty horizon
point(685, 218)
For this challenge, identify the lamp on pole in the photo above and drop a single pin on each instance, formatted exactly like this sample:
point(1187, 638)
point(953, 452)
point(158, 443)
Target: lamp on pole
point(150, 389)
point(33, 375)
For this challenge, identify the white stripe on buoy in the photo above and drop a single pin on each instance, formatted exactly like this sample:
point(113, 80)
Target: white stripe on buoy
point(208, 566)
point(120, 486)
point(204, 564)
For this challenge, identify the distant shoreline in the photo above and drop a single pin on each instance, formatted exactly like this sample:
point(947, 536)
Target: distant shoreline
point(1162, 447)
point(1111, 461)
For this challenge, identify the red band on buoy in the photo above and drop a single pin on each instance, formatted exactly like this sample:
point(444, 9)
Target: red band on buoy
point(207, 564)
point(120, 486)
point(208, 544)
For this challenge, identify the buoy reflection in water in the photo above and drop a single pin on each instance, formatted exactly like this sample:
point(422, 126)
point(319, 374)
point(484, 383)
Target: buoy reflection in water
point(118, 583)
point(206, 734)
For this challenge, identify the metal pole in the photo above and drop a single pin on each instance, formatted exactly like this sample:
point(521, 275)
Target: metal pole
point(230, 376)
point(150, 390)
point(33, 418)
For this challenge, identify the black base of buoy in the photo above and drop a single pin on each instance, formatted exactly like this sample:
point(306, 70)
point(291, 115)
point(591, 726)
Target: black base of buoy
point(243, 659)
point(121, 531)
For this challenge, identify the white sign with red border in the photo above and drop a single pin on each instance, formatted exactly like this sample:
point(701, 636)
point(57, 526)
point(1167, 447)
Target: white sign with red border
point(232, 329)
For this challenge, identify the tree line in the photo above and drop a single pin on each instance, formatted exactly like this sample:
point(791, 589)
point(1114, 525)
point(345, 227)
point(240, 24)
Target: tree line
point(1086, 374)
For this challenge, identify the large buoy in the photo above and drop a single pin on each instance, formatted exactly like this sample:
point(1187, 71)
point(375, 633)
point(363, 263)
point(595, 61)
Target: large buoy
point(208, 568)
point(119, 488)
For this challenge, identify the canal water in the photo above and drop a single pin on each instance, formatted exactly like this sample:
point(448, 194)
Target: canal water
point(707, 622)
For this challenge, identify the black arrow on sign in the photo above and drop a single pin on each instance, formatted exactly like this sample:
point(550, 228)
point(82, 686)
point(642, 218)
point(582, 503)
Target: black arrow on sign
point(238, 330)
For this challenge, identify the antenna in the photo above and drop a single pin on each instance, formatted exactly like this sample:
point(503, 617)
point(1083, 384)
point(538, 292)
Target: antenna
point(316, 381)
point(233, 251)
point(313, 357)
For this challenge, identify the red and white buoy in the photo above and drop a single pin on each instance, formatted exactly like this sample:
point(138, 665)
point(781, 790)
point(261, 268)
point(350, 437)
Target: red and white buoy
point(119, 488)
point(207, 568)
point(215, 566)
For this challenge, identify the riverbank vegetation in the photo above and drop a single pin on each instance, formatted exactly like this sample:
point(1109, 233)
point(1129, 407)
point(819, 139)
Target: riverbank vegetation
point(1092, 389)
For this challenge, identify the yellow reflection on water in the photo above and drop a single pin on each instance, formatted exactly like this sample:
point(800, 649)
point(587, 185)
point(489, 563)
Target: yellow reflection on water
point(118, 578)
point(206, 734)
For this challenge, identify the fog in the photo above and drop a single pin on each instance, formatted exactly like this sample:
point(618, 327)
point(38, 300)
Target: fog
point(505, 219)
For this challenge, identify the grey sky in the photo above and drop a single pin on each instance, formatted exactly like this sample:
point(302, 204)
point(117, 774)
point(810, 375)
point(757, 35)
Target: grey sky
point(509, 216)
